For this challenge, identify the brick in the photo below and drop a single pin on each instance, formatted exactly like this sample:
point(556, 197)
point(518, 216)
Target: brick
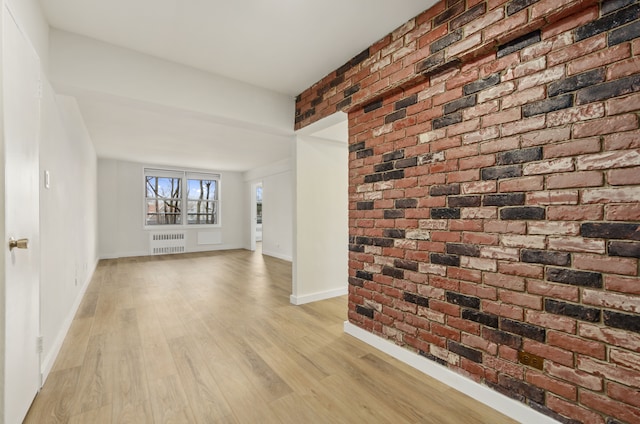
point(549, 167)
point(406, 102)
point(515, 6)
point(461, 300)
point(575, 179)
point(610, 407)
point(576, 344)
point(548, 136)
point(629, 285)
point(608, 90)
point(574, 376)
point(576, 82)
point(576, 114)
point(550, 74)
point(611, 195)
point(551, 321)
point(406, 203)
point(468, 16)
point(623, 69)
point(622, 266)
point(480, 264)
point(554, 228)
point(618, 231)
point(622, 321)
point(623, 213)
point(573, 148)
point(495, 173)
point(570, 409)
point(528, 301)
point(447, 120)
point(559, 387)
point(481, 135)
point(522, 184)
point(441, 259)
point(519, 156)
point(613, 5)
point(482, 84)
point(508, 115)
point(576, 50)
point(523, 213)
point(445, 213)
point(525, 330)
point(466, 352)
point(618, 374)
point(370, 107)
point(480, 317)
point(523, 126)
point(627, 359)
point(367, 312)
point(620, 338)
point(444, 190)
point(418, 235)
point(621, 302)
point(575, 278)
point(546, 257)
point(519, 43)
point(414, 298)
point(576, 244)
point(462, 103)
point(500, 337)
point(626, 104)
point(500, 145)
point(463, 249)
point(495, 92)
point(497, 252)
point(550, 105)
point(532, 242)
point(608, 22)
point(395, 116)
point(624, 249)
point(521, 389)
point(511, 199)
point(608, 160)
point(445, 41)
point(579, 312)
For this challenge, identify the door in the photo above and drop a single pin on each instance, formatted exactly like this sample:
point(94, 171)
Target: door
point(21, 70)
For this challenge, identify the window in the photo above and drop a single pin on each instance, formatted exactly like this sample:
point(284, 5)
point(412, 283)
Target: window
point(166, 192)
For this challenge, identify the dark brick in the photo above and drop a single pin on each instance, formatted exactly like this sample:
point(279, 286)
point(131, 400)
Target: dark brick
point(406, 163)
point(480, 317)
point(498, 172)
point(528, 391)
point(367, 312)
point(393, 213)
point(463, 201)
point(610, 21)
point(519, 156)
point(398, 174)
point(524, 212)
point(392, 272)
point(445, 213)
point(358, 248)
point(382, 242)
point(315, 102)
point(395, 116)
point(445, 121)
point(343, 104)
point(502, 338)
point(609, 6)
point(442, 259)
point(468, 16)
point(394, 233)
point(461, 103)
point(353, 281)
point(619, 231)
point(519, 43)
point(364, 206)
point(373, 178)
point(550, 413)
point(364, 153)
point(549, 105)
point(466, 352)
point(507, 199)
point(466, 301)
point(498, 388)
point(575, 278)
point(433, 358)
point(474, 87)
point(364, 275)
point(609, 90)
point(576, 82)
point(446, 41)
point(515, 6)
point(406, 203)
point(309, 113)
point(626, 33)
point(382, 167)
point(444, 190)
point(352, 90)
point(463, 250)
point(406, 102)
point(613, 421)
point(625, 249)
point(580, 312)
point(415, 299)
point(299, 118)
point(356, 147)
point(336, 81)
point(545, 257)
point(395, 155)
point(373, 106)
point(622, 321)
point(404, 264)
point(432, 62)
point(343, 69)
point(452, 11)
point(363, 240)
point(360, 57)
point(529, 331)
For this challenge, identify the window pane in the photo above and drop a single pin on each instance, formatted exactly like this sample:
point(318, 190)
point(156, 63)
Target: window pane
point(202, 189)
point(202, 212)
point(168, 188)
point(163, 212)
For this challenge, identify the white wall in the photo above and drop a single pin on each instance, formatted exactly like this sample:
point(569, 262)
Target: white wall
point(322, 234)
point(31, 20)
point(277, 208)
point(68, 218)
point(120, 211)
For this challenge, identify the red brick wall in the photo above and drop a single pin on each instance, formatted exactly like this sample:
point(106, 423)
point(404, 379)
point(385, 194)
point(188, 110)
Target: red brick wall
point(495, 196)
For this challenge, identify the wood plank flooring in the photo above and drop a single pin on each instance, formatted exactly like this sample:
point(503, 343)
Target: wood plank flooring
point(212, 338)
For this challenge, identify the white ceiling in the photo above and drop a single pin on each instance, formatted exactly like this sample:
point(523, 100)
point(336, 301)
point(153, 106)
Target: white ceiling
point(282, 45)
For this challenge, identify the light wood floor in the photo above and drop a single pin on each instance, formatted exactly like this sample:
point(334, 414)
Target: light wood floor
point(212, 338)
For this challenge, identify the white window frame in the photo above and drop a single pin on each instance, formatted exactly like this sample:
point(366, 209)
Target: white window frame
point(185, 176)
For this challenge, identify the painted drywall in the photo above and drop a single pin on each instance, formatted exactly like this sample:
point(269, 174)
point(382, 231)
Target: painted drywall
point(3, 234)
point(30, 18)
point(68, 217)
point(81, 63)
point(277, 215)
point(120, 211)
point(321, 219)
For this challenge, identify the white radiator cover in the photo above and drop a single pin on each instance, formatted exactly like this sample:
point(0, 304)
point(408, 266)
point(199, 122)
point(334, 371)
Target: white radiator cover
point(167, 242)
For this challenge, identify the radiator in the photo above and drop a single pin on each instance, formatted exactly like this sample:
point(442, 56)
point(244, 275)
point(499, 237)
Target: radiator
point(167, 242)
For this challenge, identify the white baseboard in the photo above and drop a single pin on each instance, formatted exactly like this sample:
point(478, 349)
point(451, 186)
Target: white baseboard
point(49, 360)
point(314, 297)
point(501, 403)
point(287, 258)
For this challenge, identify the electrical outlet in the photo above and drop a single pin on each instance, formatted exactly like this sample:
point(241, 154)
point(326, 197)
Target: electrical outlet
point(530, 359)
